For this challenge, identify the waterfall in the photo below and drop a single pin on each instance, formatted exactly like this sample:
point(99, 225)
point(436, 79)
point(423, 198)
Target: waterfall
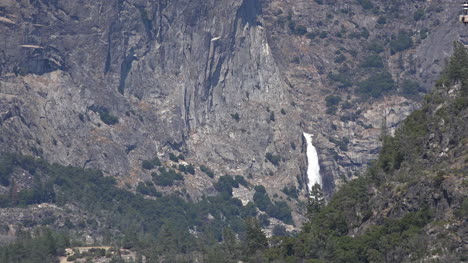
point(313, 166)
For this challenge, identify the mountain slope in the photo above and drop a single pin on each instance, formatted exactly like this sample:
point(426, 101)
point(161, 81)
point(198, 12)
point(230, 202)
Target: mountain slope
point(411, 205)
point(107, 85)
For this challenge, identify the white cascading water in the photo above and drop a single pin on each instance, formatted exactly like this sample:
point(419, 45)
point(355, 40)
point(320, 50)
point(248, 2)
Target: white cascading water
point(313, 166)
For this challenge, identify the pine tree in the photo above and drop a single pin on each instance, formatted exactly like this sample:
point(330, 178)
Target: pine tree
point(316, 201)
point(255, 238)
point(229, 242)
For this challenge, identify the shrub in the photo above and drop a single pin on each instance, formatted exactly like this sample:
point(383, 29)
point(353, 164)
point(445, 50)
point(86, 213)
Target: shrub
point(311, 35)
point(372, 61)
point(401, 42)
point(263, 220)
point(290, 191)
point(190, 169)
point(347, 105)
point(366, 4)
point(207, 171)
point(105, 115)
point(236, 116)
point(6, 168)
point(331, 110)
point(187, 168)
point(261, 199)
point(332, 100)
point(147, 189)
point(300, 30)
point(274, 159)
point(281, 211)
point(173, 157)
point(365, 33)
point(340, 58)
point(375, 47)
point(410, 88)
point(272, 116)
point(376, 85)
point(323, 34)
point(419, 14)
point(241, 180)
point(225, 184)
point(344, 77)
point(150, 164)
point(166, 177)
point(424, 33)
point(279, 231)
point(381, 20)
point(296, 60)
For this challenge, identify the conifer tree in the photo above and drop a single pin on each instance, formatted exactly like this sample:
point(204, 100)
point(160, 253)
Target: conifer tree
point(316, 201)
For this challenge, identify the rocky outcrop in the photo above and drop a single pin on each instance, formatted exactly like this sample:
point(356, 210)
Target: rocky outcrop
point(106, 85)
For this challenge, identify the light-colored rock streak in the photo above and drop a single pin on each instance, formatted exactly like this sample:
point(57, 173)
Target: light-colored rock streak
point(313, 166)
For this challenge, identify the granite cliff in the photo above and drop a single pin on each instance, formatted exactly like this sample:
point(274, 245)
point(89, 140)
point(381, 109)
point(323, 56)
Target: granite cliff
point(228, 85)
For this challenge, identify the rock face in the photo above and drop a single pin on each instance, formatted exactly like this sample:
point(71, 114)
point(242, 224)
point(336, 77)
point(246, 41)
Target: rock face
point(195, 77)
point(108, 84)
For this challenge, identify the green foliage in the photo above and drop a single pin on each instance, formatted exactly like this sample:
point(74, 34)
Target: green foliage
point(173, 157)
point(241, 180)
point(375, 47)
point(316, 201)
point(376, 85)
point(274, 159)
point(147, 189)
point(235, 116)
point(340, 59)
point(381, 20)
point(323, 34)
point(463, 211)
point(46, 246)
point(225, 184)
point(279, 210)
point(176, 158)
point(419, 14)
point(397, 236)
point(331, 110)
point(424, 33)
point(157, 227)
point(166, 177)
point(151, 164)
point(272, 116)
point(366, 4)
point(6, 169)
point(290, 191)
point(347, 105)
point(187, 168)
point(311, 35)
point(401, 42)
point(342, 144)
point(279, 231)
point(457, 68)
point(105, 115)
point(300, 30)
point(372, 61)
point(255, 238)
point(344, 77)
point(207, 171)
point(410, 88)
point(332, 100)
